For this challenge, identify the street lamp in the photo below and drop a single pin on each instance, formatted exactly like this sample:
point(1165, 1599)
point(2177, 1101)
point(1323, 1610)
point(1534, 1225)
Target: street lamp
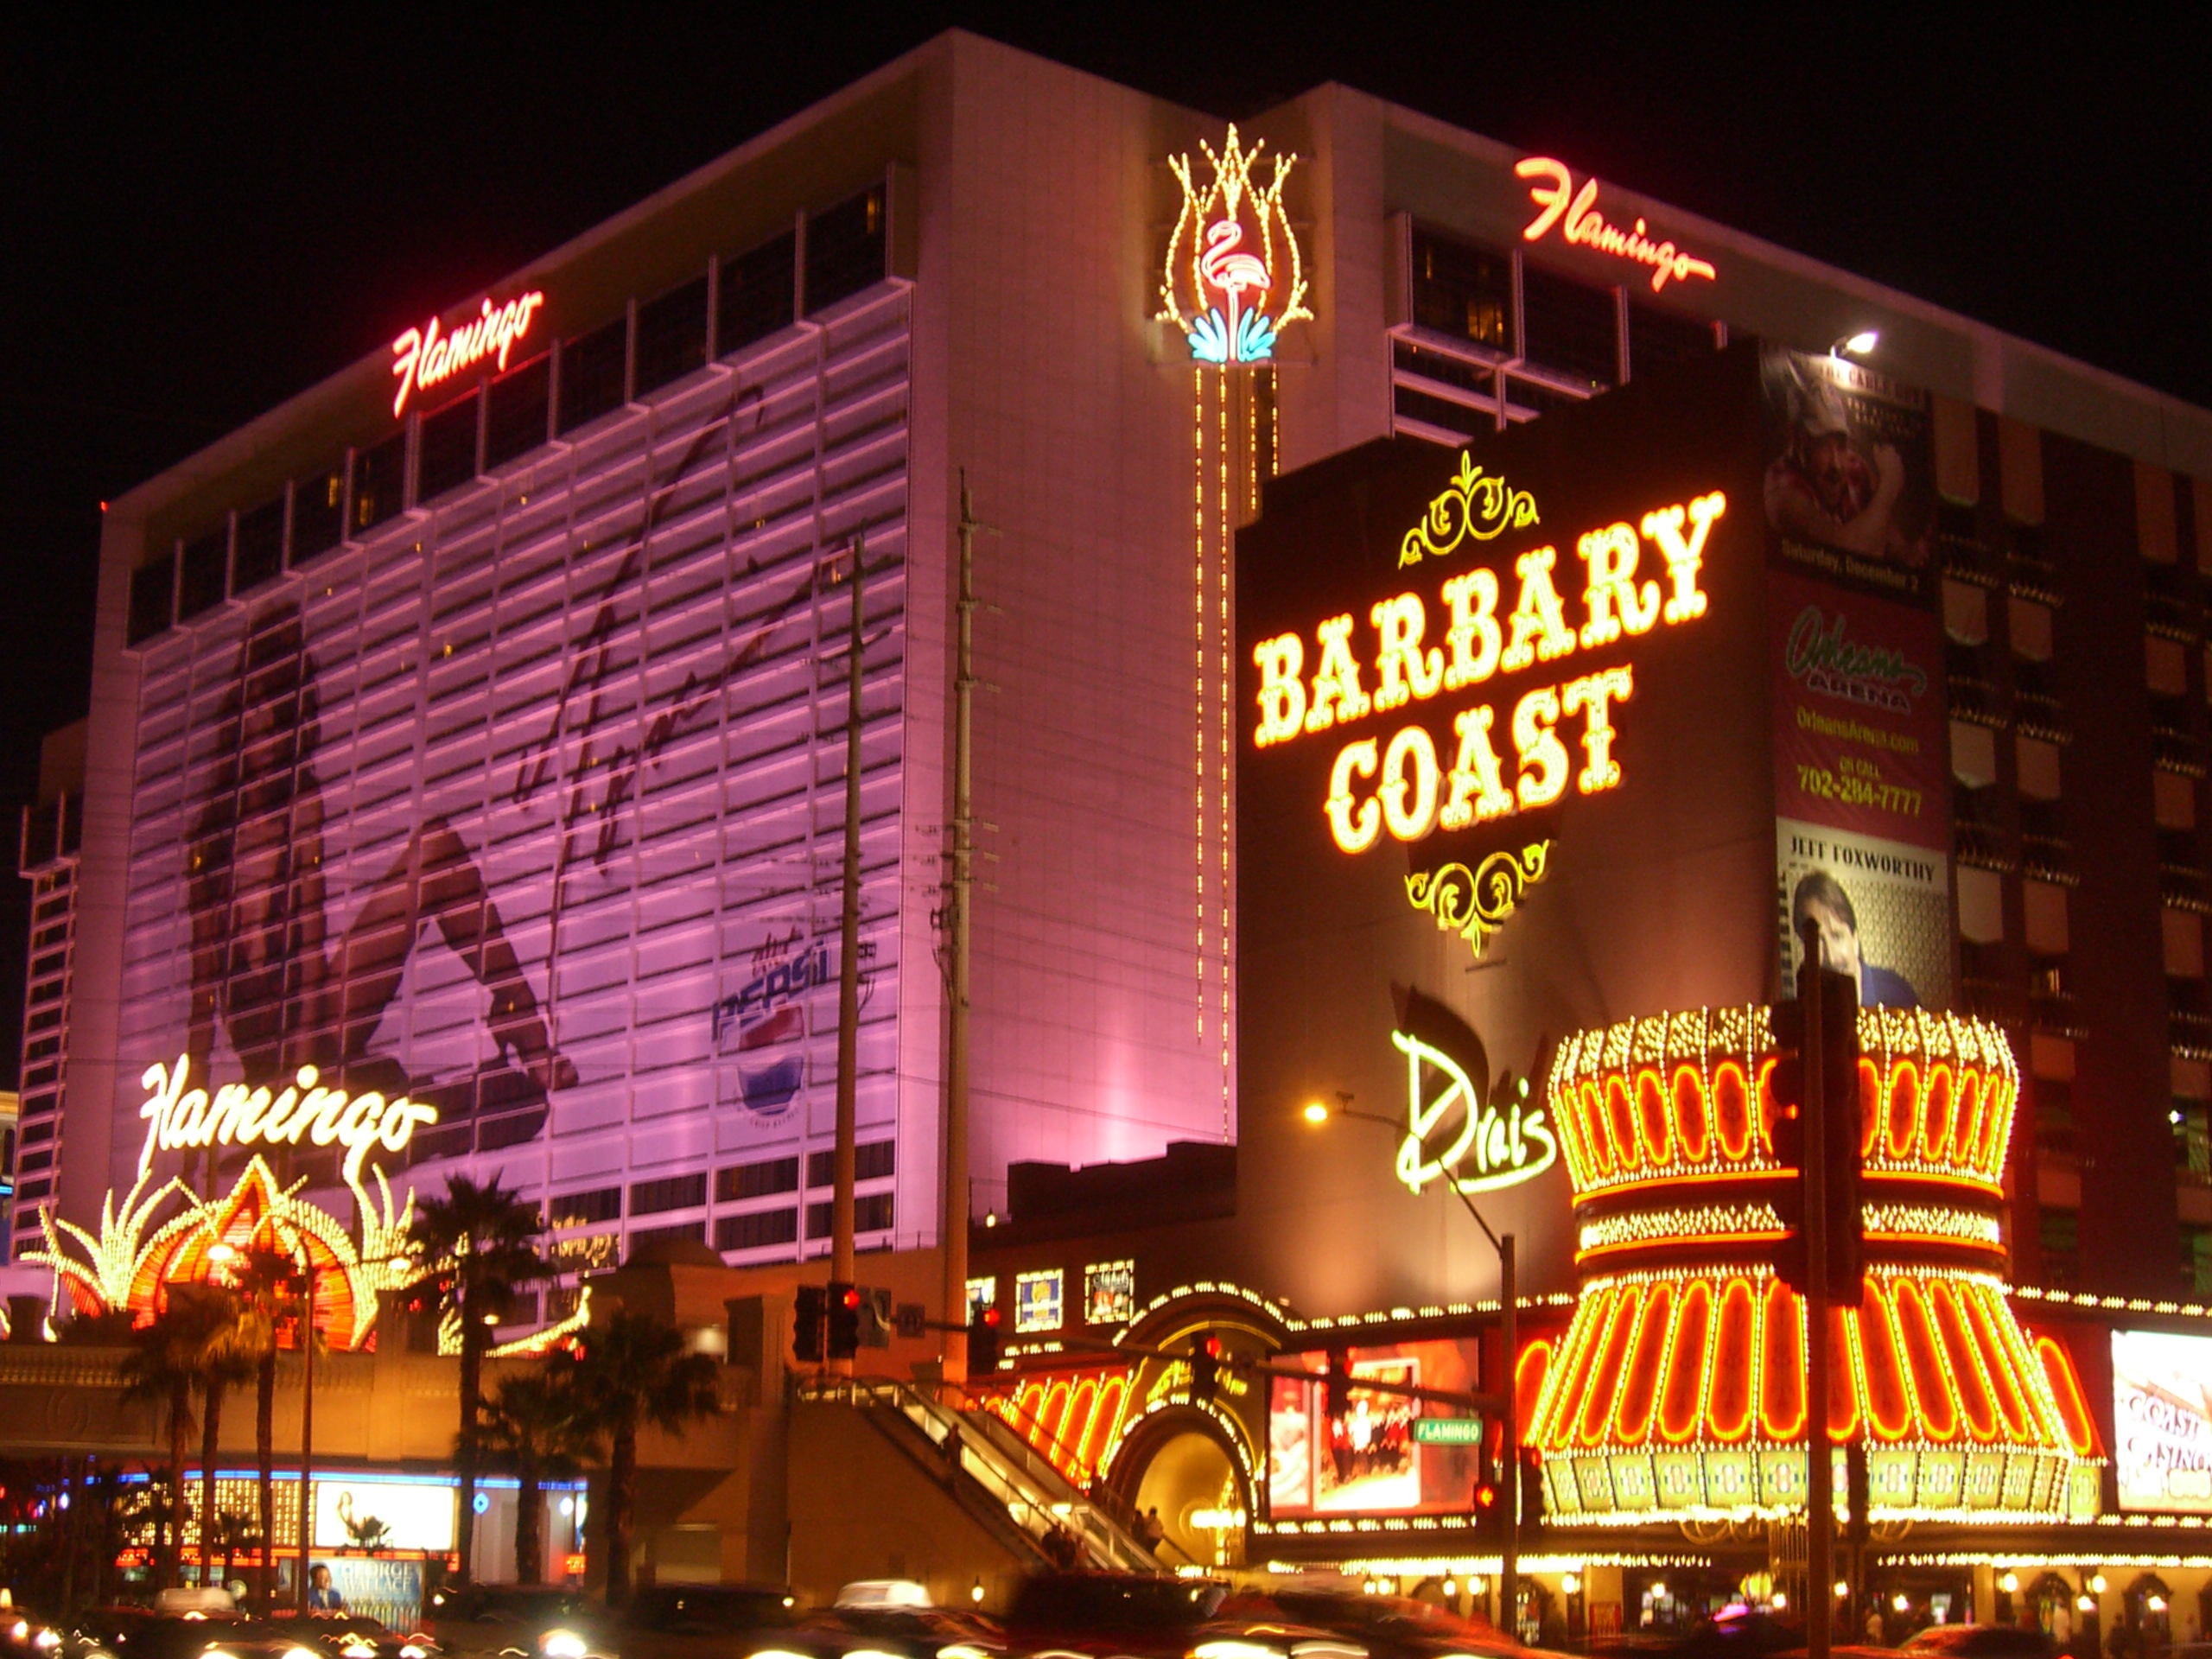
point(1317, 1113)
point(1858, 345)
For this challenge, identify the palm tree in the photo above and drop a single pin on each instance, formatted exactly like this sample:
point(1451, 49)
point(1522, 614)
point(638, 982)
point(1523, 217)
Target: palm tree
point(164, 1364)
point(633, 1371)
point(268, 1291)
point(534, 1430)
point(225, 1362)
point(472, 1247)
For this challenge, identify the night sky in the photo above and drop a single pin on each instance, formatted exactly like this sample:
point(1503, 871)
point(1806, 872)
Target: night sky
point(203, 218)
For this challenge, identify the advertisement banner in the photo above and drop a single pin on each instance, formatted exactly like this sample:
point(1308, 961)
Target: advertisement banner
point(1375, 1458)
point(1883, 908)
point(366, 1512)
point(1850, 482)
point(1859, 737)
point(2162, 1421)
point(389, 1592)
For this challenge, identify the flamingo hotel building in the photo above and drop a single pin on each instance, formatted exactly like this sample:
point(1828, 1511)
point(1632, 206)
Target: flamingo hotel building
point(1445, 623)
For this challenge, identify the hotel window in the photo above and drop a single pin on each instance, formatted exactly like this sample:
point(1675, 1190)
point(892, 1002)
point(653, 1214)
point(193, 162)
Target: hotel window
point(516, 408)
point(871, 1162)
point(582, 1208)
point(695, 1230)
point(318, 512)
point(871, 1214)
point(2059, 1235)
point(981, 1294)
point(1570, 326)
point(758, 1180)
point(757, 1231)
point(670, 1192)
point(446, 457)
point(203, 572)
point(152, 588)
point(2054, 1101)
point(258, 552)
point(1109, 1292)
point(2192, 1125)
point(844, 250)
point(671, 336)
point(1465, 292)
point(2196, 1260)
point(593, 370)
point(1037, 1300)
point(1658, 341)
point(379, 482)
point(755, 294)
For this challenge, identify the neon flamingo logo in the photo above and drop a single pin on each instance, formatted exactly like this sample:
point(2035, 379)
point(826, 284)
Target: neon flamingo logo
point(1233, 248)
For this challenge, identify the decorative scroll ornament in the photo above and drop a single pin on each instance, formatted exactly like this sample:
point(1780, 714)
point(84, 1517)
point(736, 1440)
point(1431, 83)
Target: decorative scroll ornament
point(1475, 902)
point(1474, 507)
point(1234, 278)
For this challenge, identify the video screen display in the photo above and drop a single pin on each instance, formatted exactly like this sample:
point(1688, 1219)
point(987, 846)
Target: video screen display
point(1385, 1452)
point(2162, 1421)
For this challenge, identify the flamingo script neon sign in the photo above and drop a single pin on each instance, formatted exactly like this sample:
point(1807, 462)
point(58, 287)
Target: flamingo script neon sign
point(1234, 278)
point(423, 357)
point(1575, 212)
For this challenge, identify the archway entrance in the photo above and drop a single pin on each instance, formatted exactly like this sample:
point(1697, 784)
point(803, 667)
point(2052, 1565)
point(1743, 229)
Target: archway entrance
point(1187, 1476)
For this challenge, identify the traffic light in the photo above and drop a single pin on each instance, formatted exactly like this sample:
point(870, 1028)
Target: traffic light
point(806, 1335)
point(1205, 1370)
point(1842, 1117)
point(983, 1340)
point(844, 1321)
point(1532, 1489)
point(1489, 1497)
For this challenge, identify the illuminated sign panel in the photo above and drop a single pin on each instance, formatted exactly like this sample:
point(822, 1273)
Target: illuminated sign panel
point(1234, 278)
point(1503, 763)
point(1580, 223)
point(1382, 1454)
point(2162, 1421)
point(365, 1512)
point(423, 357)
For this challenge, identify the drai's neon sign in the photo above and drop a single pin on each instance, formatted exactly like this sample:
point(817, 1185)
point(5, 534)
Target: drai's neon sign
point(1575, 212)
point(1497, 1144)
point(178, 1118)
point(423, 357)
point(1402, 785)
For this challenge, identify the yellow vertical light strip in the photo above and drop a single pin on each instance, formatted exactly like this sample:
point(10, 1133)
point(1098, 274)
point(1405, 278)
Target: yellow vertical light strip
point(1198, 687)
point(1228, 703)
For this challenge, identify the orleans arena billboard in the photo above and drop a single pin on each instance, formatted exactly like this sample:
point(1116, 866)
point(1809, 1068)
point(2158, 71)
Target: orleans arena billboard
point(1512, 729)
point(528, 810)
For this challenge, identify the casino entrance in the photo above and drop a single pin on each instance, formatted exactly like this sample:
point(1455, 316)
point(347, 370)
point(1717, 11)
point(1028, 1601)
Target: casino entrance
point(1179, 1464)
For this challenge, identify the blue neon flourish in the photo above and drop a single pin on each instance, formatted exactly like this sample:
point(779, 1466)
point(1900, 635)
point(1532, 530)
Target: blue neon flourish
point(1209, 338)
point(1255, 338)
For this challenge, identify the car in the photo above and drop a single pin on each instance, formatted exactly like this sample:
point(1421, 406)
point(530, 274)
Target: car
point(351, 1635)
point(1980, 1642)
point(1388, 1627)
point(1736, 1633)
point(1112, 1615)
point(483, 1621)
point(703, 1621)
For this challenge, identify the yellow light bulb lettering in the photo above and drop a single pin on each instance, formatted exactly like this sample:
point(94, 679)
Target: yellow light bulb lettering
point(1610, 595)
point(1539, 629)
point(1355, 830)
point(1405, 669)
point(1410, 784)
point(1591, 696)
point(1685, 603)
point(1282, 693)
point(1335, 695)
point(1542, 756)
point(1474, 636)
point(1478, 792)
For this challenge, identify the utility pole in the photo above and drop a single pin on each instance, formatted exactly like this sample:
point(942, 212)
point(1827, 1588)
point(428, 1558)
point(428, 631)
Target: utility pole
point(848, 965)
point(306, 1508)
point(964, 853)
point(1508, 1566)
point(1820, 1495)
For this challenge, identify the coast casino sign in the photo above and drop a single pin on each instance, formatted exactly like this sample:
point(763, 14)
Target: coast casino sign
point(1392, 779)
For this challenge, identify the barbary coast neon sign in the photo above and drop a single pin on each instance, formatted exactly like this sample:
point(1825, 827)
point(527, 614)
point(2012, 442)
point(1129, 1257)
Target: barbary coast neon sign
point(1575, 212)
point(178, 1118)
point(1412, 793)
point(423, 357)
